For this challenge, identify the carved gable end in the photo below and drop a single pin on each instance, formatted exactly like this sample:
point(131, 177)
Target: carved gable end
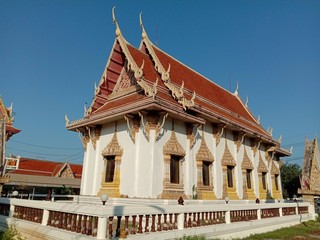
point(204, 153)
point(113, 148)
point(126, 83)
point(65, 172)
point(246, 163)
point(173, 147)
point(227, 158)
point(262, 167)
point(274, 169)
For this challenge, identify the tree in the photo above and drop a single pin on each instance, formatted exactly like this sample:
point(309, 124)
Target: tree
point(290, 174)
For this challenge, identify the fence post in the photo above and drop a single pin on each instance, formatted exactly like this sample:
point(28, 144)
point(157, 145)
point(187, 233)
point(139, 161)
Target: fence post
point(181, 221)
point(259, 213)
point(228, 218)
point(11, 211)
point(45, 217)
point(102, 227)
point(280, 212)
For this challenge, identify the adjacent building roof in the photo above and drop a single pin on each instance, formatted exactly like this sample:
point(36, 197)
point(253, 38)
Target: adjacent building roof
point(26, 171)
point(148, 78)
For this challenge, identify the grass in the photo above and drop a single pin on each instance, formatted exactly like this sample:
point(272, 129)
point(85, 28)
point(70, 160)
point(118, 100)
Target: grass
point(303, 231)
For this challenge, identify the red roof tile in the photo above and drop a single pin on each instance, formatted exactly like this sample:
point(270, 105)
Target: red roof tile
point(44, 168)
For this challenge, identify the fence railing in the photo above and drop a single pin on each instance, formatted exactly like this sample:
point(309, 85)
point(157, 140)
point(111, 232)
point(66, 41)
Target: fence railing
point(114, 220)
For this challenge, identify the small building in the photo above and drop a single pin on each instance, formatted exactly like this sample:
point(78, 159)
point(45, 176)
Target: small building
point(39, 176)
point(158, 129)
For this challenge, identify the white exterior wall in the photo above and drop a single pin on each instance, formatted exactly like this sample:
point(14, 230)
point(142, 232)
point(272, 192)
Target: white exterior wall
point(142, 162)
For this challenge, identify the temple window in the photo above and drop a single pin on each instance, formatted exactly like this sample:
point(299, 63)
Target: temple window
point(230, 176)
point(110, 168)
point(248, 176)
point(264, 184)
point(206, 173)
point(276, 177)
point(175, 169)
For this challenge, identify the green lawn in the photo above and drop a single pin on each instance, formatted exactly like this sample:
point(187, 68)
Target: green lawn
point(304, 231)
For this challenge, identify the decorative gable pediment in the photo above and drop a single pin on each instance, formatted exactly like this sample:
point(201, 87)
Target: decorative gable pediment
point(65, 171)
point(227, 158)
point(125, 84)
point(204, 154)
point(262, 167)
point(173, 147)
point(274, 169)
point(246, 163)
point(113, 148)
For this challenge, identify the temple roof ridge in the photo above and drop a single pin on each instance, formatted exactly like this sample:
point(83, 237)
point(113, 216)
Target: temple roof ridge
point(245, 105)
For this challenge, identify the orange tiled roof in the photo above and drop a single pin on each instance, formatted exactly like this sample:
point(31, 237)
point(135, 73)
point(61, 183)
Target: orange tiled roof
point(212, 101)
point(44, 168)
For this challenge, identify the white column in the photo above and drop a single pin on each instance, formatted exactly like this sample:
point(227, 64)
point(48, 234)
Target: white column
point(228, 218)
point(45, 217)
point(11, 211)
point(259, 214)
point(102, 228)
point(180, 221)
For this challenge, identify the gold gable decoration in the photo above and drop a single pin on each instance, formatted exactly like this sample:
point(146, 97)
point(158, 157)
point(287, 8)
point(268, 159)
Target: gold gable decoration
point(173, 147)
point(262, 167)
point(204, 154)
point(227, 158)
point(274, 169)
point(246, 163)
point(113, 148)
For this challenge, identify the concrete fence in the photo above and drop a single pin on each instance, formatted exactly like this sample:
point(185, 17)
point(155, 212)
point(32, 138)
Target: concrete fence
point(145, 219)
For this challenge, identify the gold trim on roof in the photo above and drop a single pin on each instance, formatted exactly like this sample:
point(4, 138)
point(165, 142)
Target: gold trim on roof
point(176, 92)
point(132, 65)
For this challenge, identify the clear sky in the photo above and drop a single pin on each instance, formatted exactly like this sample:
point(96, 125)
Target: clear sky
point(52, 53)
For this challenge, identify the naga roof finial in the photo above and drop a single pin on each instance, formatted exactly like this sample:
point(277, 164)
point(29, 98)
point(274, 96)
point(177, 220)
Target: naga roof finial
point(144, 34)
point(237, 88)
point(118, 32)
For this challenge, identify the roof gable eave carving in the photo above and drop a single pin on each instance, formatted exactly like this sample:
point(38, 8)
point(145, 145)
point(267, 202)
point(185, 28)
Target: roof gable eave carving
point(105, 87)
point(132, 65)
point(176, 92)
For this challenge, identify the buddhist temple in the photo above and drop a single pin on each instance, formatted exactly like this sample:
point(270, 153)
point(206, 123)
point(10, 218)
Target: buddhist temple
point(158, 129)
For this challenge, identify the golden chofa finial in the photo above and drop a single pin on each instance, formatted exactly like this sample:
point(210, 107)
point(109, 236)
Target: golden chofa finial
point(144, 34)
point(118, 32)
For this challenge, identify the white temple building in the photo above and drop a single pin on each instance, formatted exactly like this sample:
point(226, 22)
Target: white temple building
point(158, 129)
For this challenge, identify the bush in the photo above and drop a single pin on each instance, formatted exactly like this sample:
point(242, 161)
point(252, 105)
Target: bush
point(12, 233)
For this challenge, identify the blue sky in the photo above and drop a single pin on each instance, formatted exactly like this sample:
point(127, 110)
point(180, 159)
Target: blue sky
point(52, 53)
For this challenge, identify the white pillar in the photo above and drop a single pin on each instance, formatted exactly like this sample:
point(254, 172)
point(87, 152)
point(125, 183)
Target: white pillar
point(11, 211)
point(102, 228)
point(228, 218)
point(181, 221)
point(45, 217)
point(259, 214)
point(280, 212)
